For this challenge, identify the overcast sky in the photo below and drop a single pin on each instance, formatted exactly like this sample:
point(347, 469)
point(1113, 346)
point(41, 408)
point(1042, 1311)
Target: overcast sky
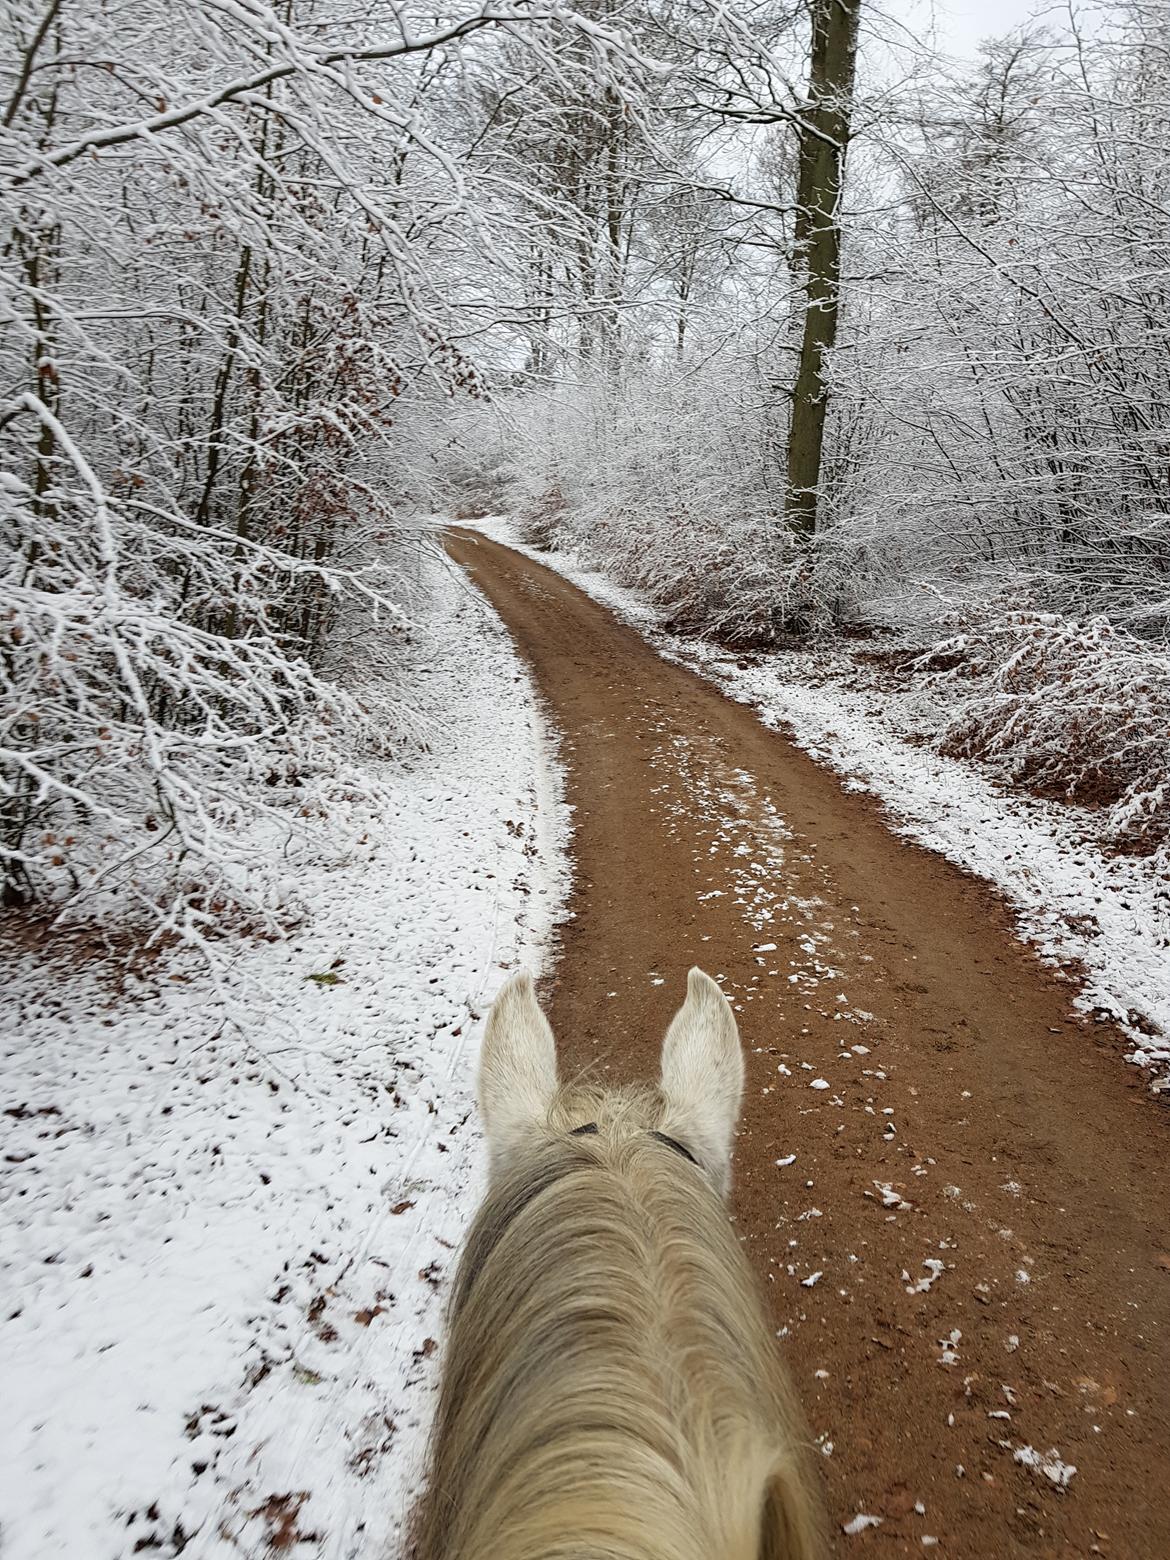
point(956, 26)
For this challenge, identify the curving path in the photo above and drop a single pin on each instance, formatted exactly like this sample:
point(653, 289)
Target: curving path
point(956, 1193)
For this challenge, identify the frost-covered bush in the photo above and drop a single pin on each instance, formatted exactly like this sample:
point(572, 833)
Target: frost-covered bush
point(543, 520)
point(210, 327)
point(746, 584)
point(1078, 709)
point(147, 750)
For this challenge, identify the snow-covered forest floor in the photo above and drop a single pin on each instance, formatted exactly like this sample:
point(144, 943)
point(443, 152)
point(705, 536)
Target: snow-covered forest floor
point(1101, 916)
point(233, 1193)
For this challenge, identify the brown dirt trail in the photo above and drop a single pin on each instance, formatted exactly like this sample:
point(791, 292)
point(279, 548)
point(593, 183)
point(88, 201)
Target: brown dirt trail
point(942, 1105)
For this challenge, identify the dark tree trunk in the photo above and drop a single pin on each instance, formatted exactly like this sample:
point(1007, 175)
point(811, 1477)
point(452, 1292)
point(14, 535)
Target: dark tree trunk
point(824, 137)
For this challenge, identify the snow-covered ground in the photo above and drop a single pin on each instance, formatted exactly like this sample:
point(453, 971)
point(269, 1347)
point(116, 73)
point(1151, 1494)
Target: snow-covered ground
point(228, 1205)
point(1103, 915)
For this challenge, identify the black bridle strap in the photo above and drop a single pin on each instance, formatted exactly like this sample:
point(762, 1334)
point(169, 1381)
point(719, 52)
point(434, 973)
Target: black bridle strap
point(679, 1148)
point(590, 1128)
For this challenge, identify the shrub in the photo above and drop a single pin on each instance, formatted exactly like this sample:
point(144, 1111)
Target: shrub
point(1079, 709)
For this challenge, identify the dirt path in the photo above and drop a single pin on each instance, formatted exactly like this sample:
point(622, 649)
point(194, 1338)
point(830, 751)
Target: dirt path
point(969, 1254)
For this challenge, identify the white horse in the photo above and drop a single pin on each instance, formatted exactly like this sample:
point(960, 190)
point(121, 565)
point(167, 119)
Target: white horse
point(612, 1389)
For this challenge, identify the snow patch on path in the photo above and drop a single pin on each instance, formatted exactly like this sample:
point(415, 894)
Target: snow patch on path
point(1107, 917)
point(229, 1208)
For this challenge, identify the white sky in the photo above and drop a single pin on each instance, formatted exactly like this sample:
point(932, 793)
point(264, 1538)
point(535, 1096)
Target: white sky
point(956, 26)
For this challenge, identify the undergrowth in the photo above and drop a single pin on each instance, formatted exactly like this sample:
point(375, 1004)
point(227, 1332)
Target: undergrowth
point(1075, 709)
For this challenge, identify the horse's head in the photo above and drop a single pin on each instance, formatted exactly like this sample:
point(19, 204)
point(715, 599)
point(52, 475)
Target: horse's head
point(693, 1110)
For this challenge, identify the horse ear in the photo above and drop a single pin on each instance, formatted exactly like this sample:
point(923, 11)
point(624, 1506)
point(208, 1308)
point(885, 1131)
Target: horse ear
point(702, 1076)
point(517, 1069)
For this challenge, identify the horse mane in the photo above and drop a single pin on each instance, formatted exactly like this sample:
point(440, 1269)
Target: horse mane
point(611, 1389)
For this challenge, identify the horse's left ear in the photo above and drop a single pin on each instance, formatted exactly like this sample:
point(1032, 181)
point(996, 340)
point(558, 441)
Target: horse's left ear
point(517, 1070)
point(702, 1076)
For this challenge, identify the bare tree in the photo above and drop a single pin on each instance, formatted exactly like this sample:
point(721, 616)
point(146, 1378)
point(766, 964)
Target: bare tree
point(823, 143)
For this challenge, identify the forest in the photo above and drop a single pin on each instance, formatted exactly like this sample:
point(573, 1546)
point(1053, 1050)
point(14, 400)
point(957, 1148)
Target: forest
point(797, 333)
point(415, 420)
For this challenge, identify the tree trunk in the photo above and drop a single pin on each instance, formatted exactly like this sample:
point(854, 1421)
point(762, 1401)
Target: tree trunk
point(824, 136)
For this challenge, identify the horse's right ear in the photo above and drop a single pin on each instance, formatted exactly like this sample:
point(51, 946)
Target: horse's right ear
point(702, 1077)
point(517, 1070)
